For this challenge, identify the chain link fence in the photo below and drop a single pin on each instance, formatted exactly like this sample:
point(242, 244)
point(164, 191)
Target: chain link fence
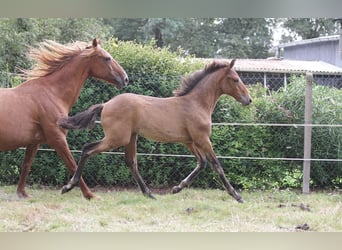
point(237, 155)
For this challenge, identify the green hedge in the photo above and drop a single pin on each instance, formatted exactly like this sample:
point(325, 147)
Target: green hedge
point(157, 72)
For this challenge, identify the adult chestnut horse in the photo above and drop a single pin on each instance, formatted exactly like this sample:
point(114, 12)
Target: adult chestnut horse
point(184, 118)
point(30, 111)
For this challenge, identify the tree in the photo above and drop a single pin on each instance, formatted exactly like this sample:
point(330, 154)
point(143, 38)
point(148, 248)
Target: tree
point(82, 29)
point(203, 37)
point(307, 28)
point(245, 37)
point(143, 30)
point(127, 29)
point(197, 36)
point(17, 34)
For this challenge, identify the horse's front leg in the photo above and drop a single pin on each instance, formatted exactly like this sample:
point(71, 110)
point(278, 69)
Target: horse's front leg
point(132, 164)
point(30, 153)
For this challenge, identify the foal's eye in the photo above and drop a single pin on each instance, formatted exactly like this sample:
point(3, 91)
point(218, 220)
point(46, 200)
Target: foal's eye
point(107, 59)
point(236, 80)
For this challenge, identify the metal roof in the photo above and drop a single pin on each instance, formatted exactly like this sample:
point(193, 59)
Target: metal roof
point(310, 41)
point(286, 66)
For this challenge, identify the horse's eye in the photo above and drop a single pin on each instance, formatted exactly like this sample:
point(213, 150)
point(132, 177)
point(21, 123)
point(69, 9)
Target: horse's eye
point(236, 80)
point(107, 59)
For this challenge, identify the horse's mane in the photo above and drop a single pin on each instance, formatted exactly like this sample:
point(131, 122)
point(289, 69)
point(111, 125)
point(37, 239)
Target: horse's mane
point(188, 83)
point(51, 56)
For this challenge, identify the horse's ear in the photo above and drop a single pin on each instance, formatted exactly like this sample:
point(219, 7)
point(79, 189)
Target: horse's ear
point(232, 62)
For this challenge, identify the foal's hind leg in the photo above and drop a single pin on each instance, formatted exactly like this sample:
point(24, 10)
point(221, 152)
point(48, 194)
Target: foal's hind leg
point(88, 150)
point(30, 153)
point(57, 140)
point(131, 162)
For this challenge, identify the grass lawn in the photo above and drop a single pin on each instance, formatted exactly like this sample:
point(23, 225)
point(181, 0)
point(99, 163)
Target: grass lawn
point(192, 210)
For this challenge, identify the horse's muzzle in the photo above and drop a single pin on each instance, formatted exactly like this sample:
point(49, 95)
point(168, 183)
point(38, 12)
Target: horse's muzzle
point(246, 100)
point(122, 81)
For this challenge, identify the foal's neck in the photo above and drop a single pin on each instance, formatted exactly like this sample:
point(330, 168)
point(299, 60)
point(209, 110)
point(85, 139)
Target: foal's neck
point(206, 93)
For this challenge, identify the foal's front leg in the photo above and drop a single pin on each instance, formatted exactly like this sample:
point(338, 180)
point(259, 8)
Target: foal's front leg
point(203, 150)
point(219, 170)
point(229, 188)
point(201, 163)
point(190, 178)
point(208, 149)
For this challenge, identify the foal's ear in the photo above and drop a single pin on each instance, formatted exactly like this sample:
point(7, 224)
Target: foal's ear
point(232, 62)
point(96, 42)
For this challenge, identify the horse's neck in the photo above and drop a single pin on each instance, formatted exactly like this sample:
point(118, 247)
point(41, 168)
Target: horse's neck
point(67, 83)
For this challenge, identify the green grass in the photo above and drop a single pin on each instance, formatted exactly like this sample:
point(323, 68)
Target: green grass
point(191, 210)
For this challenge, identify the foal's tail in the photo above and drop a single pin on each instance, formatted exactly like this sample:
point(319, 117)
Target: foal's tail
point(83, 120)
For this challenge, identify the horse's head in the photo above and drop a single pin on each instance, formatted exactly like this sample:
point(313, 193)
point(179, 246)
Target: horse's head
point(232, 85)
point(104, 67)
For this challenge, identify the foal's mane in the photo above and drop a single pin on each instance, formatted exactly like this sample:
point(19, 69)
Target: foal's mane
point(189, 83)
point(51, 56)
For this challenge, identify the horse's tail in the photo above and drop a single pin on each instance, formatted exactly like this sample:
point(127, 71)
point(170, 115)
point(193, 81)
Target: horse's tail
point(83, 120)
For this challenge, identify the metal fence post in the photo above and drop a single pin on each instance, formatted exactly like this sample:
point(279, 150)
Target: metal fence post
point(307, 133)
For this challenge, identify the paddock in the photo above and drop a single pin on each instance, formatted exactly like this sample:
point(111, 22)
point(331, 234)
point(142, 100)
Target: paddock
point(51, 211)
point(192, 210)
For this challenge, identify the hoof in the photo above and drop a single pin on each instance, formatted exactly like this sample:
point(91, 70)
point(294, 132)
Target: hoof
point(23, 195)
point(151, 196)
point(66, 189)
point(240, 200)
point(92, 196)
point(176, 189)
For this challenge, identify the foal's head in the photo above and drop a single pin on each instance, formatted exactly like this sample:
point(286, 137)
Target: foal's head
point(104, 67)
point(232, 85)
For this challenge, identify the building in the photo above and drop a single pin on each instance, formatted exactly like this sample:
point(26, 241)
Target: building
point(327, 49)
point(321, 56)
point(275, 73)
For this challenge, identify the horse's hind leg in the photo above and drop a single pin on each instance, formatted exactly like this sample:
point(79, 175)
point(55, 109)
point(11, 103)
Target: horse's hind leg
point(30, 153)
point(132, 164)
